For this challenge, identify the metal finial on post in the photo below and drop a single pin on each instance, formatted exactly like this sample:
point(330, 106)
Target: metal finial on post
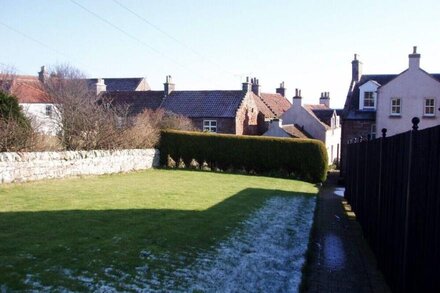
point(415, 121)
point(384, 132)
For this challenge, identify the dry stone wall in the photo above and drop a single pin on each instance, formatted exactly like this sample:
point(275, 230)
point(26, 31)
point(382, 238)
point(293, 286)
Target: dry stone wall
point(28, 166)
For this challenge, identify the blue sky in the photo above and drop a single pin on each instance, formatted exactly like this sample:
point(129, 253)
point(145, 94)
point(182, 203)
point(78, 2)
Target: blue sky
point(215, 44)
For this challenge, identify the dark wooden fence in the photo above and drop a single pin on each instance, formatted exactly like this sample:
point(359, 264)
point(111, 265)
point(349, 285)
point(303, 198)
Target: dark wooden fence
point(393, 186)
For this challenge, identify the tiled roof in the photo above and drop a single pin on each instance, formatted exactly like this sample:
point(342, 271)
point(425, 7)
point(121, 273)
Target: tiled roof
point(28, 89)
point(137, 101)
point(295, 131)
point(276, 103)
point(263, 108)
point(221, 104)
point(118, 84)
point(324, 115)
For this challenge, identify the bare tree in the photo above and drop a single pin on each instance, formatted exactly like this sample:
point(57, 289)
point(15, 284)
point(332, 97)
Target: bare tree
point(85, 121)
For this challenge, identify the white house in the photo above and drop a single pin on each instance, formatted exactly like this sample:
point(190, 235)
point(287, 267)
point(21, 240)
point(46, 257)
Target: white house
point(35, 103)
point(412, 93)
point(318, 121)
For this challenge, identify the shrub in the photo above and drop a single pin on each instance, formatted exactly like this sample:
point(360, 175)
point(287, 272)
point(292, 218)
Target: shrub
point(16, 132)
point(306, 158)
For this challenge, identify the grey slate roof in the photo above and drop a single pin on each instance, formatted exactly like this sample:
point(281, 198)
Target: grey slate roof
point(194, 104)
point(325, 115)
point(138, 101)
point(118, 84)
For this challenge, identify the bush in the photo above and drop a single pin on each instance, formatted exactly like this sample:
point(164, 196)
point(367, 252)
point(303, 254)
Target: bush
point(305, 158)
point(16, 133)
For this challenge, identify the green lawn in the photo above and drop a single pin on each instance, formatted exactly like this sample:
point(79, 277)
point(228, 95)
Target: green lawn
point(50, 230)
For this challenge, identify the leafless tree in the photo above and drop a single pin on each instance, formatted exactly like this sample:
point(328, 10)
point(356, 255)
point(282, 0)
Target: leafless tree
point(85, 121)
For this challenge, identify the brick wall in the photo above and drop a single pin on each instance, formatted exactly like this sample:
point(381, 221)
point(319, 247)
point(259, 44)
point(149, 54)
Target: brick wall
point(353, 129)
point(224, 125)
point(246, 121)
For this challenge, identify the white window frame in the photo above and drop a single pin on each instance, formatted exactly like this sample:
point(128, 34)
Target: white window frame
point(373, 98)
point(396, 108)
point(48, 110)
point(373, 131)
point(431, 107)
point(369, 86)
point(210, 125)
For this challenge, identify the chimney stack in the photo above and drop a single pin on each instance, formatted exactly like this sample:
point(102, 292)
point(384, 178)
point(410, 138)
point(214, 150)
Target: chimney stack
point(168, 86)
point(356, 69)
point(246, 86)
point(281, 90)
point(255, 86)
point(325, 99)
point(414, 59)
point(100, 86)
point(43, 75)
point(296, 100)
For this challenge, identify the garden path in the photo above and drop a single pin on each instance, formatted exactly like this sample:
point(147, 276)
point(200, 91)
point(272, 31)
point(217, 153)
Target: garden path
point(341, 260)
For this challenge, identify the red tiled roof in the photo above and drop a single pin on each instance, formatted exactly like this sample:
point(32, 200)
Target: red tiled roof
point(295, 131)
point(28, 89)
point(276, 103)
point(262, 107)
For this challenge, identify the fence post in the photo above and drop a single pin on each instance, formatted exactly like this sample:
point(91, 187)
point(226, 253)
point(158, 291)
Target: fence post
point(415, 121)
point(379, 189)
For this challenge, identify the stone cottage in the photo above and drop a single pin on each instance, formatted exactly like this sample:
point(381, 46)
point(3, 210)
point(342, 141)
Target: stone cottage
point(245, 111)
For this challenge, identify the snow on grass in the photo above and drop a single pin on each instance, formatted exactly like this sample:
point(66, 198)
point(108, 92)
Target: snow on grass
point(265, 254)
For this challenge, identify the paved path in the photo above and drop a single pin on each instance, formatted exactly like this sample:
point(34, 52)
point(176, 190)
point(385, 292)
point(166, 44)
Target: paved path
point(341, 261)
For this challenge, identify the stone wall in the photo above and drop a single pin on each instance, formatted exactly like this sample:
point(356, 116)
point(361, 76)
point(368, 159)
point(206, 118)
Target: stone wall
point(28, 166)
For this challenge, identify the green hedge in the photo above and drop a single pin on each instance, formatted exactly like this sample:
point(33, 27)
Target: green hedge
point(304, 158)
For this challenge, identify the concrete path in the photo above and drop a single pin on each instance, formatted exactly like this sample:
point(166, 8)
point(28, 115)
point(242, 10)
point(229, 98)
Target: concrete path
point(340, 259)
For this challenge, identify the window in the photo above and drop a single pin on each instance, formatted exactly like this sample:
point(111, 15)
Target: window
point(396, 106)
point(369, 102)
point(429, 109)
point(373, 131)
point(210, 125)
point(49, 110)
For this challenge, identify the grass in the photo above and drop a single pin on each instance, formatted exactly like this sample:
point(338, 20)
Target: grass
point(120, 221)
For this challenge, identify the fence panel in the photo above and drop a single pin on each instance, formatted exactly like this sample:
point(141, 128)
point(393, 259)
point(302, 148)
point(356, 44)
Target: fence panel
point(393, 186)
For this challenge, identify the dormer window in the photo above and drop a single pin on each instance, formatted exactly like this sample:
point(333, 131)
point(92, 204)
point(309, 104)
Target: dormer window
point(368, 95)
point(369, 100)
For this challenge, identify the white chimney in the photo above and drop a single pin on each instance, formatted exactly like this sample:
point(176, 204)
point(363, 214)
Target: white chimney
point(414, 59)
point(297, 99)
point(100, 86)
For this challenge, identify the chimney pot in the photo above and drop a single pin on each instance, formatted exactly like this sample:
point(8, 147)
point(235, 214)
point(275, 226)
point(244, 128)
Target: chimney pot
point(414, 59)
point(256, 87)
point(281, 90)
point(356, 69)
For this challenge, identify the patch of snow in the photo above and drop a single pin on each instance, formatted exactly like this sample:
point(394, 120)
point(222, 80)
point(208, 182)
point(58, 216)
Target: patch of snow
point(267, 257)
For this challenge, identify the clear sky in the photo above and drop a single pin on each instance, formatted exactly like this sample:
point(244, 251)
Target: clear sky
point(210, 44)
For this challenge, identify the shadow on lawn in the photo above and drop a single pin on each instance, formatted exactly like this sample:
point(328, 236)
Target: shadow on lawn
point(46, 242)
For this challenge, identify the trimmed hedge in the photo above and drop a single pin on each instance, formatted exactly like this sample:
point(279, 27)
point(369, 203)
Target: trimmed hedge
point(304, 158)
